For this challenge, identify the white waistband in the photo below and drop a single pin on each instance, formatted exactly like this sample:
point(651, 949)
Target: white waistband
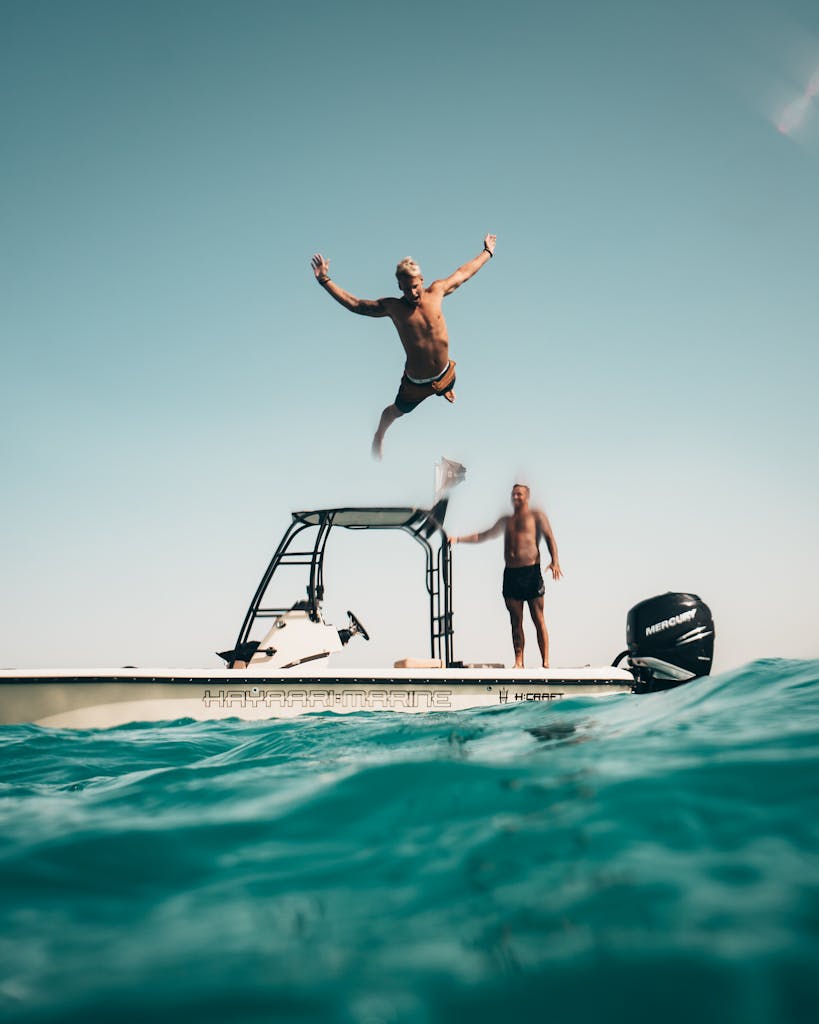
point(427, 380)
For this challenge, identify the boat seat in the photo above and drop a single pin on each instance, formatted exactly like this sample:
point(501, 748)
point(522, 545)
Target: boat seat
point(419, 663)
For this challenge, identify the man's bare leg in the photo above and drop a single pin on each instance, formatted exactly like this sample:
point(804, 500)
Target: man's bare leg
point(388, 417)
point(536, 610)
point(516, 617)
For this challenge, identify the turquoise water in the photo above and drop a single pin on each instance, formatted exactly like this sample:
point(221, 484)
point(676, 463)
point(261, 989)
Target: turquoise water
point(616, 859)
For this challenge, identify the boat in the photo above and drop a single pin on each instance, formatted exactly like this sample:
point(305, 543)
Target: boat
point(280, 665)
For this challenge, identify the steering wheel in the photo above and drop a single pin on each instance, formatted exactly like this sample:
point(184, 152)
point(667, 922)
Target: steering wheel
point(357, 627)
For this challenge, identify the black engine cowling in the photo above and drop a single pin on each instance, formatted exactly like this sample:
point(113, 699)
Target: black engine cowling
point(670, 640)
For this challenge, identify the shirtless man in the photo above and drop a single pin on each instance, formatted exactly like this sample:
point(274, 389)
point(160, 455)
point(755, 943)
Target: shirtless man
point(421, 327)
point(522, 579)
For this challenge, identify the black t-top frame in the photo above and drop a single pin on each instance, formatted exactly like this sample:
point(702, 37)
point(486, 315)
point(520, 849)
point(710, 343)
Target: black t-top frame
point(424, 525)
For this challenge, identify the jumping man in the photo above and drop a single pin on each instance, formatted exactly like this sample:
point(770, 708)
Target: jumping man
point(522, 579)
point(421, 327)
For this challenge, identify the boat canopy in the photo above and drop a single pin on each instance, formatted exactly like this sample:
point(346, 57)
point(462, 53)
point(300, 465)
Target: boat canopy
point(366, 518)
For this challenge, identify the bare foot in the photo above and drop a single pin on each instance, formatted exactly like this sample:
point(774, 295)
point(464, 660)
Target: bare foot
point(378, 444)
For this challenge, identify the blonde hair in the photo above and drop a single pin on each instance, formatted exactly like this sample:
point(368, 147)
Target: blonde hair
point(408, 268)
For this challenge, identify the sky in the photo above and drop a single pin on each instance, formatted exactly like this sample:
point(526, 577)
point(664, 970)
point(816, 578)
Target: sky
point(642, 350)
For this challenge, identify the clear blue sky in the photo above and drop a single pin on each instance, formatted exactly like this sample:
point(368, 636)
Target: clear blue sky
point(642, 350)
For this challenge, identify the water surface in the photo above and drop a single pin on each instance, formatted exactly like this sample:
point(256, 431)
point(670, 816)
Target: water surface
point(600, 859)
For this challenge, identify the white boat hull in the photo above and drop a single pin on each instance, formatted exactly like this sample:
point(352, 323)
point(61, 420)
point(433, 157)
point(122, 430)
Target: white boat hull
point(96, 699)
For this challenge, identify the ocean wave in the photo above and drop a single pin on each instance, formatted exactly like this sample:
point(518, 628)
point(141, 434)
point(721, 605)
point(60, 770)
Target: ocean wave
point(599, 858)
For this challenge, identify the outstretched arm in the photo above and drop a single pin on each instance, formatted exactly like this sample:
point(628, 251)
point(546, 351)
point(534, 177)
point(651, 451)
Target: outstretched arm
point(545, 528)
point(478, 538)
point(366, 307)
point(449, 284)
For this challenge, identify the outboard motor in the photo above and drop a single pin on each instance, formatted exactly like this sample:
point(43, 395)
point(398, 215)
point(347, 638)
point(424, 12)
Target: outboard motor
point(670, 641)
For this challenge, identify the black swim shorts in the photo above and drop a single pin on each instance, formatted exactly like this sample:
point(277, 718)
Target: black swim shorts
point(411, 393)
point(524, 583)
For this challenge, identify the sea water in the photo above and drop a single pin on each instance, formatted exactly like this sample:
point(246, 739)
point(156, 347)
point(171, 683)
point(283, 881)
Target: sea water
point(625, 858)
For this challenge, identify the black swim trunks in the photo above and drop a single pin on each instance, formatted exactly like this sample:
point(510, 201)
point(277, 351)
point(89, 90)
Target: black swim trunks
point(412, 392)
point(524, 583)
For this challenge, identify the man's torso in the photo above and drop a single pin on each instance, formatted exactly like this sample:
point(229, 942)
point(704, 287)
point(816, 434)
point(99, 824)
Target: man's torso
point(520, 539)
point(423, 333)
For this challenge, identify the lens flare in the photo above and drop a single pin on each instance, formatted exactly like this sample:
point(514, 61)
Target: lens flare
point(795, 113)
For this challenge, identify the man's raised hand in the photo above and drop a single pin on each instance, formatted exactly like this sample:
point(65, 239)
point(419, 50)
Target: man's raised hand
point(489, 244)
point(321, 266)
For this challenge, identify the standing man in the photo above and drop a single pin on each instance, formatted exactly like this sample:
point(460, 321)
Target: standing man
point(421, 327)
point(522, 579)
